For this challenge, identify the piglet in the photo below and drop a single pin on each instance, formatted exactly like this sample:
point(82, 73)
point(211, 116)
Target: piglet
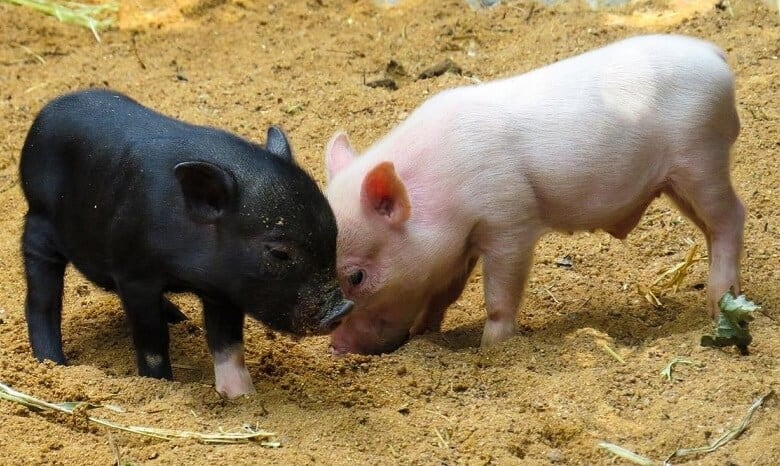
point(485, 170)
point(143, 204)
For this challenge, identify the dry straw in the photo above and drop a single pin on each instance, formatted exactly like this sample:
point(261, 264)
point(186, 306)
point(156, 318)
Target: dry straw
point(672, 278)
point(249, 433)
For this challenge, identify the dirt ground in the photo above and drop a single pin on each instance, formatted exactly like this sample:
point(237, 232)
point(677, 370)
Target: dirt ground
point(548, 395)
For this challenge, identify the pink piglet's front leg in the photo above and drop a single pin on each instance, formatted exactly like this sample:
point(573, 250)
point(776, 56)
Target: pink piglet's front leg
point(506, 270)
point(430, 320)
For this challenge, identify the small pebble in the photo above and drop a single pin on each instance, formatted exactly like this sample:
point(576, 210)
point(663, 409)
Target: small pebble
point(555, 456)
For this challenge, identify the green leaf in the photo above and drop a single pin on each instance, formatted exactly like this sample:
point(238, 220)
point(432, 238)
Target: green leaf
point(92, 17)
point(732, 328)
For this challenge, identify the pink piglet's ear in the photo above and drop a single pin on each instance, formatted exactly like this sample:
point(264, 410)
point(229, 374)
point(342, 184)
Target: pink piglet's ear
point(338, 154)
point(384, 193)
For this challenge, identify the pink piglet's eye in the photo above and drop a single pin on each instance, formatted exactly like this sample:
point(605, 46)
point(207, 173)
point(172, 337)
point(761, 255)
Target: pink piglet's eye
point(356, 278)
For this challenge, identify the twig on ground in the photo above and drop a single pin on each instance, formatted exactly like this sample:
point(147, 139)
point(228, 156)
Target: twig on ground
point(443, 443)
point(612, 353)
point(33, 54)
point(626, 454)
point(729, 435)
point(114, 449)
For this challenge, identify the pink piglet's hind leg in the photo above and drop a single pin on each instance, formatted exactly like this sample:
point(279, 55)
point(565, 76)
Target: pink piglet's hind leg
point(709, 200)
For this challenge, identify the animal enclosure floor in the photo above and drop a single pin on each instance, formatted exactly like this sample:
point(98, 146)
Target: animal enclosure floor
point(549, 395)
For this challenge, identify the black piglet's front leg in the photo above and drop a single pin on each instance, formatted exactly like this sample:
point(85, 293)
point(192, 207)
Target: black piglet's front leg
point(225, 335)
point(144, 309)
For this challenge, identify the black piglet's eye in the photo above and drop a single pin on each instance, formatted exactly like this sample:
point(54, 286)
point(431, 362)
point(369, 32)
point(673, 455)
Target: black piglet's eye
point(277, 253)
point(356, 278)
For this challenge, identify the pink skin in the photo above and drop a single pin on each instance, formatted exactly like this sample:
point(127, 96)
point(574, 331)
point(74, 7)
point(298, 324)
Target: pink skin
point(484, 171)
point(232, 379)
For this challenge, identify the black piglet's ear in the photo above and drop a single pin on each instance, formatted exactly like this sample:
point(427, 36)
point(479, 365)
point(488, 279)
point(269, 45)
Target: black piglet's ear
point(208, 190)
point(277, 144)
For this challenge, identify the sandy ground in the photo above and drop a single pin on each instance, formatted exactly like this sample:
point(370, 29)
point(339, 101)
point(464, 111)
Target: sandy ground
point(548, 395)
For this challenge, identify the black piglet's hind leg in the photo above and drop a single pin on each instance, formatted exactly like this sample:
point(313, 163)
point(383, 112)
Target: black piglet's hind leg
point(44, 270)
point(143, 305)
